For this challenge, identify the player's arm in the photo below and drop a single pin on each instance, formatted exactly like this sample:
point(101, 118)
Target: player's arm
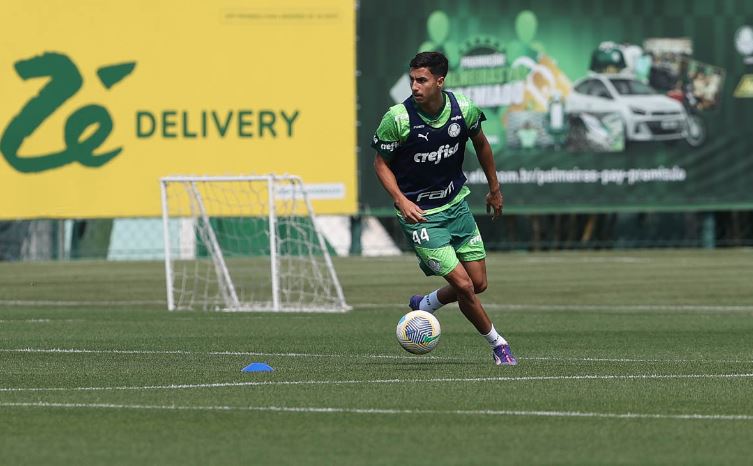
point(410, 211)
point(389, 135)
point(494, 200)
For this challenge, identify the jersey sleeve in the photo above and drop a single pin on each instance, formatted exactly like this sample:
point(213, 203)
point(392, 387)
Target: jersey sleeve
point(472, 114)
point(387, 137)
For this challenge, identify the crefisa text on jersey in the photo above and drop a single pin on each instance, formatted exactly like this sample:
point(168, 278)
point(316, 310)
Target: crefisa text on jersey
point(438, 155)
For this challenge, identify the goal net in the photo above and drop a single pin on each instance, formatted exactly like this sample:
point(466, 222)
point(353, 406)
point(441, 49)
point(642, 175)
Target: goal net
point(245, 243)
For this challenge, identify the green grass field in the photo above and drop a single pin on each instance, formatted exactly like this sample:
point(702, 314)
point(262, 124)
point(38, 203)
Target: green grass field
point(625, 357)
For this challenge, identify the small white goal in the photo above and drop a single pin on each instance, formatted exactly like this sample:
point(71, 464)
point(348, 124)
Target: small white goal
point(245, 243)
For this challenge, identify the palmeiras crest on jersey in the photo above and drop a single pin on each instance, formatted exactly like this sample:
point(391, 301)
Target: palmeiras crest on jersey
point(434, 265)
point(453, 130)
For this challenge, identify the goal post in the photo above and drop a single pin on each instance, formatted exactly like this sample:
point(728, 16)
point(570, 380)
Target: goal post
point(245, 243)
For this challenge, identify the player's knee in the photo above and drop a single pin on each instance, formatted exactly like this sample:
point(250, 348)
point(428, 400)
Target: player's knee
point(480, 286)
point(465, 288)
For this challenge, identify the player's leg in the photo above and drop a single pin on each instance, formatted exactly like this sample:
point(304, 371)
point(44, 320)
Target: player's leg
point(464, 290)
point(437, 261)
point(462, 263)
point(460, 286)
point(476, 271)
point(431, 243)
point(465, 238)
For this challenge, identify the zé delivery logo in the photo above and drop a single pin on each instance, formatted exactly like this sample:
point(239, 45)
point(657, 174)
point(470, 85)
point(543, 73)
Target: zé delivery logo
point(64, 82)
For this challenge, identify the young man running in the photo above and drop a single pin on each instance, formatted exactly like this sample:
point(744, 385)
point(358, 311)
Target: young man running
point(420, 147)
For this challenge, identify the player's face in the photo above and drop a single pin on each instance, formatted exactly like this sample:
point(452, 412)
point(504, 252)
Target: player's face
point(424, 86)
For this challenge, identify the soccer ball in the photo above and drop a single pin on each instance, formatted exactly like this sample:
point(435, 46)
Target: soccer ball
point(418, 332)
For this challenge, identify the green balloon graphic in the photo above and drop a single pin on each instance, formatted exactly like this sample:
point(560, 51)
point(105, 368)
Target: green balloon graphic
point(438, 26)
point(452, 52)
point(525, 26)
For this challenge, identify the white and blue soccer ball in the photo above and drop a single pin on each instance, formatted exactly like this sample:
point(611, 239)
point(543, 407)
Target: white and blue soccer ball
point(418, 332)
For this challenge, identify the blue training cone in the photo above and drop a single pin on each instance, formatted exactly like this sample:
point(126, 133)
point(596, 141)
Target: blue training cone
point(257, 367)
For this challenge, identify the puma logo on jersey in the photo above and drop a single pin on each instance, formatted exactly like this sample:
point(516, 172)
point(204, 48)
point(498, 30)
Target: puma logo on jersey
point(425, 136)
point(438, 155)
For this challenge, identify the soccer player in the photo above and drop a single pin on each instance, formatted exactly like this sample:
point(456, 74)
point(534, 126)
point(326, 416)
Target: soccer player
point(420, 145)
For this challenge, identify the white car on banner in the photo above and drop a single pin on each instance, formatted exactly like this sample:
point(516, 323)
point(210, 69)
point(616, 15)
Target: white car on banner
point(647, 115)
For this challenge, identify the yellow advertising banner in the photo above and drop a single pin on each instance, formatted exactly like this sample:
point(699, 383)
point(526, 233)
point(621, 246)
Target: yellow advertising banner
point(98, 100)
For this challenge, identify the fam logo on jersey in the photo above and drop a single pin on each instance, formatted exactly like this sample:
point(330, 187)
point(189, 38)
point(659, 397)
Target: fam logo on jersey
point(454, 130)
point(438, 194)
point(80, 141)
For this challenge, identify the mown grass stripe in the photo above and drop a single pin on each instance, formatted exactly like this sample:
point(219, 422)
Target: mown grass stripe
point(382, 411)
point(385, 381)
point(352, 356)
point(370, 305)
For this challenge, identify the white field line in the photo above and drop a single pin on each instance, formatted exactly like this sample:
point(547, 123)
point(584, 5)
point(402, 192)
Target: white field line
point(381, 381)
point(351, 356)
point(36, 321)
point(33, 302)
point(378, 411)
point(491, 306)
point(201, 353)
point(637, 360)
point(605, 260)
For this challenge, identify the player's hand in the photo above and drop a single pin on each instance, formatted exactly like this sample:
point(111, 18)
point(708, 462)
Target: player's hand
point(494, 203)
point(411, 212)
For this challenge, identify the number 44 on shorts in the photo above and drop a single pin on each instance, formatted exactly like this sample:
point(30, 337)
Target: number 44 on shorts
point(418, 236)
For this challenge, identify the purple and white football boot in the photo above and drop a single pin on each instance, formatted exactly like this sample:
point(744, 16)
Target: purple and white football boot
point(503, 356)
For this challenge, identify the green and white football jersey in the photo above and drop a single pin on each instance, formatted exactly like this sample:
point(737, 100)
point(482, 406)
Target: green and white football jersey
point(395, 125)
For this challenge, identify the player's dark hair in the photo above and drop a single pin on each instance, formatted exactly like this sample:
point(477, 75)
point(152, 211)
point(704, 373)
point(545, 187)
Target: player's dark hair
point(434, 61)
